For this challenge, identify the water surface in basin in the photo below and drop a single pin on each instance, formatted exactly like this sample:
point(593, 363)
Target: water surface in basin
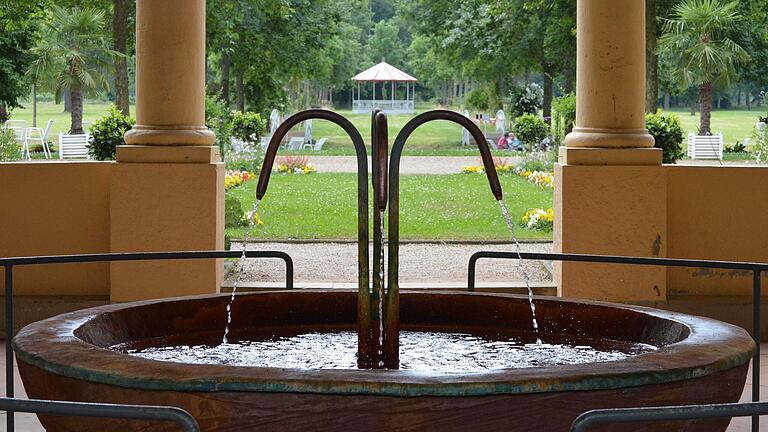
point(421, 351)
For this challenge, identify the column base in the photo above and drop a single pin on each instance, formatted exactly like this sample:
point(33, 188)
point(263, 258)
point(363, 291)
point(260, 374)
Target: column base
point(167, 154)
point(610, 156)
point(166, 207)
point(611, 210)
point(171, 135)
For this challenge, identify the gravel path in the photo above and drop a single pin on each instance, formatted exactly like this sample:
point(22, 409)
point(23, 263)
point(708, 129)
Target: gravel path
point(419, 262)
point(409, 165)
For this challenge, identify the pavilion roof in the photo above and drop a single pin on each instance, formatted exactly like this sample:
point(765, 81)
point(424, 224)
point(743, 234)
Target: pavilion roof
point(383, 72)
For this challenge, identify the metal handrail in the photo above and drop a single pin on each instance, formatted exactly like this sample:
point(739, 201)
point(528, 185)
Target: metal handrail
point(755, 267)
point(668, 413)
point(97, 410)
point(9, 263)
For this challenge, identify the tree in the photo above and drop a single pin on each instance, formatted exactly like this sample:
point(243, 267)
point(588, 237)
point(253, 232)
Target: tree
point(120, 44)
point(18, 33)
point(698, 41)
point(73, 53)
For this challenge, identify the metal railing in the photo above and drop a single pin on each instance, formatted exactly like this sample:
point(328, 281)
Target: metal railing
point(82, 409)
point(755, 268)
point(9, 263)
point(668, 413)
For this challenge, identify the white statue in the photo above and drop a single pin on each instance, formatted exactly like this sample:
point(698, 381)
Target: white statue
point(274, 121)
point(501, 121)
point(464, 131)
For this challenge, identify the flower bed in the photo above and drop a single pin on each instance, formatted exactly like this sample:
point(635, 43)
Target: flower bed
point(539, 219)
point(234, 178)
point(295, 165)
point(541, 178)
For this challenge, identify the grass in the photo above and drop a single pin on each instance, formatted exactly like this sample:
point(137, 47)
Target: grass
point(445, 207)
point(440, 138)
point(61, 120)
point(734, 124)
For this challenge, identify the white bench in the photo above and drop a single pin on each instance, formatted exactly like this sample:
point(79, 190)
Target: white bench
point(705, 146)
point(73, 146)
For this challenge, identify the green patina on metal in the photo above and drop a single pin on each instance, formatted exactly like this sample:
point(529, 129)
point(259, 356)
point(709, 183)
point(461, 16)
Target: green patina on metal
point(398, 389)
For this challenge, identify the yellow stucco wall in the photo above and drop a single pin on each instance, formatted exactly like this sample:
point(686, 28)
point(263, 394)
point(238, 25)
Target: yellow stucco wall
point(720, 213)
point(52, 208)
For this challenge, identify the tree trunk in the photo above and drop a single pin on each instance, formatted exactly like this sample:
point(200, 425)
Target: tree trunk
point(748, 101)
point(120, 38)
point(705, 95)
point(240, 90)
point(226, 65)
point(569, 73)
point(34, 105)
point(651, 59)
point(3, 113)
point(666, 101)
point(67, 101)
point(546, 105)
point(77, 111)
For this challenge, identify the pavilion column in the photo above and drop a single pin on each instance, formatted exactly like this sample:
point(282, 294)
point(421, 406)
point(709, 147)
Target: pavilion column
point(610, 186)
point(168, 190)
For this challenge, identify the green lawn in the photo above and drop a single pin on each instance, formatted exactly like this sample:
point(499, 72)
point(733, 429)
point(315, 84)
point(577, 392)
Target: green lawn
point(446, 207)
point(734, 124)
point(61, 120)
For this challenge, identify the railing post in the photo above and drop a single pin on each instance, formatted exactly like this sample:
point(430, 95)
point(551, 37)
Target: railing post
point(756, 303)
point(471, 272)
point(9, 416)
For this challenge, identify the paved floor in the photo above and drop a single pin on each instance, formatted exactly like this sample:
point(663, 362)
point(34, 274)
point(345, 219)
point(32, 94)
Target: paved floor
point(29, 423)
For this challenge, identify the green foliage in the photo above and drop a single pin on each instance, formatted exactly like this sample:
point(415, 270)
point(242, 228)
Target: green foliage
point(698, 43)
point(248, 126)
point(667, 133)
point(385, 44)
point(478, 99)
point(526, 100)
point(233, 211)
point(739, 147)
point(108, 133)
point(73, 55)
point(760, 146)
point(218, 118)
point(564, 116)
point(10, 150)
point(530, 129)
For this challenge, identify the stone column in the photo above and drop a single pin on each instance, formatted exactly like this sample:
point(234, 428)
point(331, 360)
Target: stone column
point(610, 187)
point(167, 193)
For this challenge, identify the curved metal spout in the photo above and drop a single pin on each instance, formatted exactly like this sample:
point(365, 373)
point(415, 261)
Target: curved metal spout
point(380, 154)
point(363, 268)
point(392, 327)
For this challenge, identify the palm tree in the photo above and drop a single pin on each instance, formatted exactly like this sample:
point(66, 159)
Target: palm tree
point(73, 54)
point(697, 41)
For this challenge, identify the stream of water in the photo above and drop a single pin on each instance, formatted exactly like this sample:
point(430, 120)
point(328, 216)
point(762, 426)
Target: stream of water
point(381, 292)
point(526, 278)
point(239, 273)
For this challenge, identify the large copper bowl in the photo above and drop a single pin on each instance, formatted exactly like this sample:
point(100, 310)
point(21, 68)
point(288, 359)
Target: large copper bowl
point(701, 361)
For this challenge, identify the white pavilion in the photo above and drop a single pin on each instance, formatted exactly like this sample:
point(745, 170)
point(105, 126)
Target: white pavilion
point(384, 73)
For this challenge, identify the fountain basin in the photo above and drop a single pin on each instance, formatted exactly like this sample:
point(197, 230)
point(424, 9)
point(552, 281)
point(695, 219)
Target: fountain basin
point(67, 357)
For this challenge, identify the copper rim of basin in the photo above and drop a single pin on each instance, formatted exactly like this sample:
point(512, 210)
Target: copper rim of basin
point(710, 346)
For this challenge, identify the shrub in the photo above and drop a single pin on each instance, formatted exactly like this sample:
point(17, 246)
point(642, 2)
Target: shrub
point(739, 147)
point(526, 100)
point(218, 118)
point(478, 99)
point(666, 130)
point(10, 150)
point(564, 108)
point(530, 129)
point(248, 127)
point(233, 211)
point(108, 133)
point(760, 148)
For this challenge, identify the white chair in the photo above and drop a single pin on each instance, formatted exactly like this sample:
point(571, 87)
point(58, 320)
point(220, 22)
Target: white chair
point(73, 146)
point(705, 146)
point(36, 135)
point(19, 129)
point(319, 144)
point(295, 143)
